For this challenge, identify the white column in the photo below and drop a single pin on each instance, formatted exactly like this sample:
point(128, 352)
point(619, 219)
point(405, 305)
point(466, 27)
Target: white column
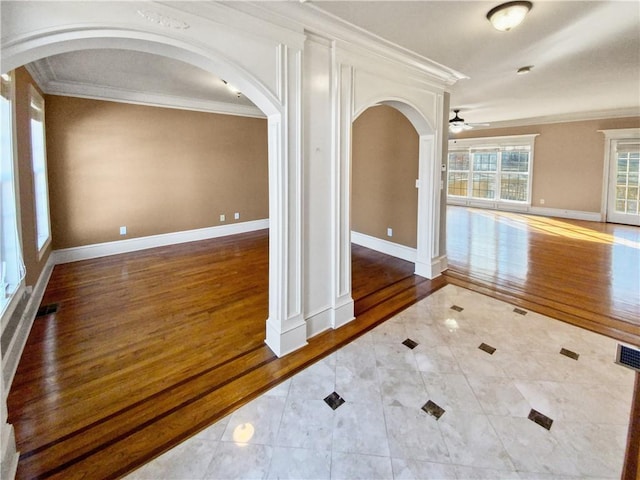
point(286, 328)
point(430, 260)
point(343, 309)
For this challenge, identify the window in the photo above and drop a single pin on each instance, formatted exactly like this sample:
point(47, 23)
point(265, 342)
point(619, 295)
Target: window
point(627, 177)
point(621, 200)
point(458, 173)
point(39, 165)
point(11, 267)
point(496, 169)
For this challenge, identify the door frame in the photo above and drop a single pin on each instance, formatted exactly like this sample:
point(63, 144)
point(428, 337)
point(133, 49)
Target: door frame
point(611, 139)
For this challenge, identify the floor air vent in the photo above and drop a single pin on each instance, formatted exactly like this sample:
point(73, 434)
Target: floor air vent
point(47, 310)
point(628, 357)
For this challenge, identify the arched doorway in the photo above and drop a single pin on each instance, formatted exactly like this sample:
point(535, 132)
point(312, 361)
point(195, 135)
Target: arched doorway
point(392, 153)
point(285, 329)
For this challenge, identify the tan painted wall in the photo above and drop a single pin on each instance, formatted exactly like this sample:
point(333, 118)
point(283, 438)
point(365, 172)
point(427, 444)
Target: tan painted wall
point(568, 160)
point(153, 170)
point(33, 264)
point(384, 172)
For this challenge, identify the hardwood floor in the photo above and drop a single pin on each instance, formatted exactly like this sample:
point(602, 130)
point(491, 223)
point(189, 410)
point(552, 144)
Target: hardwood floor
point(585, 273)
point(148, 348)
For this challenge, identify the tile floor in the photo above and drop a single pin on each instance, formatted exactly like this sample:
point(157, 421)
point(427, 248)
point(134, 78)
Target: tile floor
point(381, 431)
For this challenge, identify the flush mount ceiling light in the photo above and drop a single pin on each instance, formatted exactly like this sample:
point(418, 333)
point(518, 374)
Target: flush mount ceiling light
point(524, 70)
point(508, 15)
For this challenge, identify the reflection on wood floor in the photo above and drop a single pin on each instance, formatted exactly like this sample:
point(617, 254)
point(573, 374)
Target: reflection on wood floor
point(586, 273)
point(148, 348)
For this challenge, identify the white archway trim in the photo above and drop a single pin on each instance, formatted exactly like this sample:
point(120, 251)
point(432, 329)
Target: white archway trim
point(24, 50)
point(285, 329)
point(419, 122)
point(428, 262)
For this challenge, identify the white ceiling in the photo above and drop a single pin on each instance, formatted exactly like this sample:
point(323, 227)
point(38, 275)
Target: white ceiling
point(138, 77)
point(586, 58)
point(586, 55)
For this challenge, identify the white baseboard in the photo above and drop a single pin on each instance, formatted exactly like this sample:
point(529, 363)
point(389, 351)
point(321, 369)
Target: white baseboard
point(384, 246)
point(10, 455)
point(11, 356)
point(343, 312)
point(284, 342)
point(433, 269)
point(67, 255)
point(530, 209)
point(571, 214)
point(318, 322)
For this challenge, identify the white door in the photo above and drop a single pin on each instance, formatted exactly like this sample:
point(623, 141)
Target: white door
point(623, 204)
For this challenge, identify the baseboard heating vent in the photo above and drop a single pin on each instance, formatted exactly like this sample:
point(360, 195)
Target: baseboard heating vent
point(47, 310)
point(628, 356)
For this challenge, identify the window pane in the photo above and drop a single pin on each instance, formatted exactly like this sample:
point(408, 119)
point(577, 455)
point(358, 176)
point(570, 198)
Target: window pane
point(459, 161)
point(458, 184)
point(485, 161)
point(515, 161)
point(39, 162)
point(484, 185)
point(514, 186)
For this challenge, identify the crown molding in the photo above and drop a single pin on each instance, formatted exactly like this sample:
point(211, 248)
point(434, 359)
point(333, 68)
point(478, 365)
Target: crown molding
point(314, 20)
point(41, 72)
point(565, 118)
point(110, 94)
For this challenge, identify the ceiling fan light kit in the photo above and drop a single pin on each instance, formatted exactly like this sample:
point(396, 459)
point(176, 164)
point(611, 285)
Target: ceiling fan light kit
point(508, 15)
point(457, 124)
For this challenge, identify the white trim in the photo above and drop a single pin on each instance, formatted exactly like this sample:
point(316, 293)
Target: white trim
point(11, 356)
point(356, 38)
point(318, 322)
point(611, 137)
point(528, 209)
point(565, 118)
point(284, 342)
point(384, 246)
point(12, 305)
point(506, 140)
point(97, 250)
point(10, 455)
point(562, 213)
point(502, 205)
point(434, 269)
point(120, 95)
point(621, 133)
point(343, 313)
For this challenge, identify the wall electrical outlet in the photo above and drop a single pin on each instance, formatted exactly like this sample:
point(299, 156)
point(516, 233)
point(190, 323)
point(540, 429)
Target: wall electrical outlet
point(222, 218)
point(389, 232)
point(236, 216)
point(123, 230)
point(542, 201)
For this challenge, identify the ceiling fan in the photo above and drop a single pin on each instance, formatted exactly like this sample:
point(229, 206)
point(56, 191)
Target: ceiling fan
point(457, 124)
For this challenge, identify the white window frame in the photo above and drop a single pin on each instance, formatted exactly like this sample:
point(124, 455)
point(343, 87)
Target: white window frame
point(612, 137)
point(39, 171)
point(493, 143)
point(10, 221)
